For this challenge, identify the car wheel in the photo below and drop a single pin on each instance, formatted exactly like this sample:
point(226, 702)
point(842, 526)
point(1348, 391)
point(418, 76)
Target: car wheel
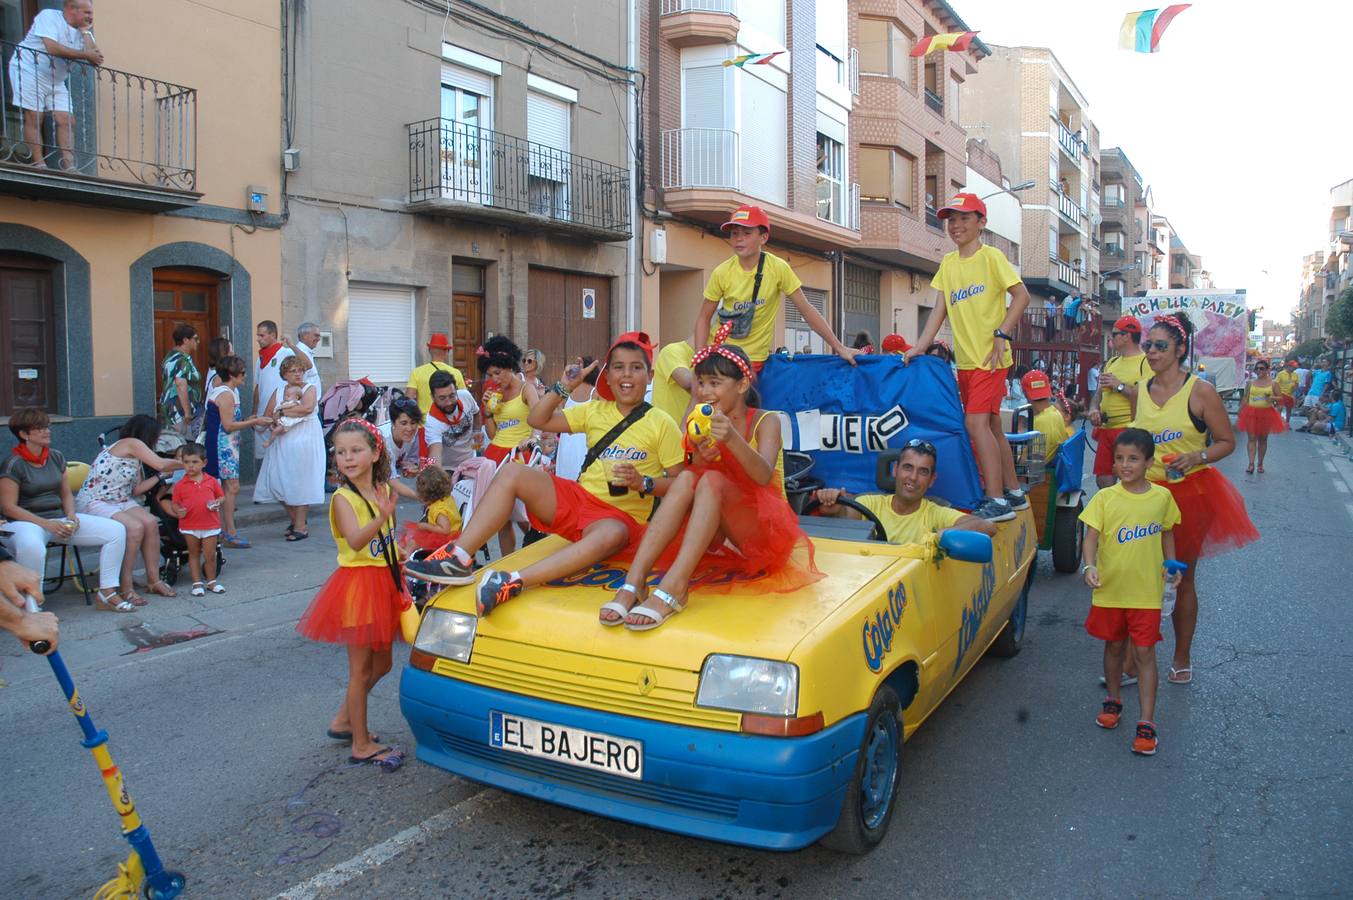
point(1011, 639)
point(1067, 531)
point(872, 792)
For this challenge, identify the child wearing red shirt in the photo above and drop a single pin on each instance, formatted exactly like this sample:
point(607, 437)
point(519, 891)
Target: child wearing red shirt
point(195, 500)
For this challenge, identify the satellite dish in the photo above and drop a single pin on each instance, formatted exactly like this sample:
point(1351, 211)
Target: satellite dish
point(1096, 219)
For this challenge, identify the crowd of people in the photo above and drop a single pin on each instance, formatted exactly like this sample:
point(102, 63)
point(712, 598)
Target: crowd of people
point(587, 456)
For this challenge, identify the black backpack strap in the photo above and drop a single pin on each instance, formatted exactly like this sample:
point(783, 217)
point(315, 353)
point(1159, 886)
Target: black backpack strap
point(760, 270)
point(595, 451)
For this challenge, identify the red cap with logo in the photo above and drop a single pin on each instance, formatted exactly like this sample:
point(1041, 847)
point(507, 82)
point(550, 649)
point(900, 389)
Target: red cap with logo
point(1128, 323)
point(630, 337)
point(895, 343)
point(963, 203)
point(747, 217)
point(1036, 385)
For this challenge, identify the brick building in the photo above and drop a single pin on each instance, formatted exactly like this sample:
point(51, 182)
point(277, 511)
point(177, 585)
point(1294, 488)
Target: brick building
point(1123, 192)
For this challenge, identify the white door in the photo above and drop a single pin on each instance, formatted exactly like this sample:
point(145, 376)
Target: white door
point(466, 139)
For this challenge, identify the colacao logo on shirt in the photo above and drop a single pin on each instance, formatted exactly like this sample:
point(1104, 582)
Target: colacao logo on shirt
point(1169, 434)
point(970, 291)
point(625, 454)
point(1128, 535)
point(744, 305)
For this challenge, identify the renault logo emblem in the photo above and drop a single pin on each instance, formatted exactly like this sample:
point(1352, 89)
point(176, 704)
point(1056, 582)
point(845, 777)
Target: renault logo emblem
point(647, 681)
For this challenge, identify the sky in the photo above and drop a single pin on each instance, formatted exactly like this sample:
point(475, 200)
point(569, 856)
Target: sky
point(1240, 123)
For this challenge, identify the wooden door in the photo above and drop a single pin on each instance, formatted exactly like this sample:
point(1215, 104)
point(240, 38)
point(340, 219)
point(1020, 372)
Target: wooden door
point(467, 332)
point(27, 334)
point(185, 297)
point(555, 321)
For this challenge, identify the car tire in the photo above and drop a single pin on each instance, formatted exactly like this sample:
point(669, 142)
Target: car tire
point(871, 795)
point(1067, 532)
point(1011, 639)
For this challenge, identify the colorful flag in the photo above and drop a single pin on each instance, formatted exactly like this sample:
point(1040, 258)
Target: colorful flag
point(1141, 31)
point(752, 59)
point(957, 41)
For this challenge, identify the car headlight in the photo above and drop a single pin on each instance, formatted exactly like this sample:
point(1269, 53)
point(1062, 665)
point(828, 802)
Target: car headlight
point(447, 634)
point(745, 684)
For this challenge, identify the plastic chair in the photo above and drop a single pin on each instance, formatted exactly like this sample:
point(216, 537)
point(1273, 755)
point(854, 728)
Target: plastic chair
point(76, 473)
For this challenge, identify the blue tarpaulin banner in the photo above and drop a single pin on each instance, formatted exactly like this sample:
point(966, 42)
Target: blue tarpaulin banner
point(844, 416)
point(1070, 462)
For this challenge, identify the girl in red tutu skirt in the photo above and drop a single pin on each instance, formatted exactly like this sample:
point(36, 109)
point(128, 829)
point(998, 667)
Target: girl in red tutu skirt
point(1259, 416)
point(441, 520)
point(738, 526)
point(360, 604)
point(1181, 410)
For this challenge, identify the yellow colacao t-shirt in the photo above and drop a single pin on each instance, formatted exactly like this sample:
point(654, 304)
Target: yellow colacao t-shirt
point(913, 529)
point(652, 445)
point(974, 298)
point(730, 287)
point(1131, 559)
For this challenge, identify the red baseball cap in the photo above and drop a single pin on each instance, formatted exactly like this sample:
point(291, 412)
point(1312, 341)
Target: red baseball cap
point(963, 203)
point(630, 337)
point(895, 343)
point(438, 341)
point(1128, 323)
point(1292, 363)
point(1036, 385)
point(748, 217)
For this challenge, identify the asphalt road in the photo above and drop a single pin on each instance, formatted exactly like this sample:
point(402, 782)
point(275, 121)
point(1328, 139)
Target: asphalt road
point(1009, 790)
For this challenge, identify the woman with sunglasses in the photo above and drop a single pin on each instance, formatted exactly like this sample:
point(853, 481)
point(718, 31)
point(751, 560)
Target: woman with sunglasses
point(1181, 411)
point(1259, 416)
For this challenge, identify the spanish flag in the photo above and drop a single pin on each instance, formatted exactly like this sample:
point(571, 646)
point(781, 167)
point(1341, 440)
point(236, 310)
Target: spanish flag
point(956, 41)
point(752, 59)
point(1141, 31)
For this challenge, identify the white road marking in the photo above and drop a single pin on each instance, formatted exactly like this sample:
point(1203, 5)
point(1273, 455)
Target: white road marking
point(1340, 486)
point(1330, 465)
point(379, 854)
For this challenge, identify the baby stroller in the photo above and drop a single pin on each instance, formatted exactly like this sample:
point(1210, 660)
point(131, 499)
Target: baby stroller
point(173, 546)
point(347, 399)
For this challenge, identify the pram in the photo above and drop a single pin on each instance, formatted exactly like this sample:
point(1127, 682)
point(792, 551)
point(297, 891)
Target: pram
point(173, 546)
point(348, 399)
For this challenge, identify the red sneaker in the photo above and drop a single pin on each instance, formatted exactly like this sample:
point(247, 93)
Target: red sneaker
point(1144, 744)
point(1111, 712)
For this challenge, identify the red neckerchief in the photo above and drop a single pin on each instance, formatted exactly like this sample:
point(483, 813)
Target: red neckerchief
point(435, 412)
point(23, 453)
point(267, 353)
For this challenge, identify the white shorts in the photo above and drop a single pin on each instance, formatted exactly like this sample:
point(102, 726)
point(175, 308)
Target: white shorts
point(200, 533)
point(103, 507)
point(32, 86)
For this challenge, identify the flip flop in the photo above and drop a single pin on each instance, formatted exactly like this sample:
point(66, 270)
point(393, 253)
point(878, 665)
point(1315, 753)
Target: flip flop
point(1180, 676)
point(298, 536)
point(619, 608)
point(387, 759)
point(347, 735)
point(1126, 681)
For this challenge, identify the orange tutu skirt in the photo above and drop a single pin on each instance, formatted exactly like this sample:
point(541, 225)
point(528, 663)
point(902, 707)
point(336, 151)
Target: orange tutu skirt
point(1260, 420)
point(1213, 516)
point(769, 547)
point(358, 605)
point(424, 539)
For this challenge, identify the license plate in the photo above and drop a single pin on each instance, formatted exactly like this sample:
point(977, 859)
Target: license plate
point(572, 746)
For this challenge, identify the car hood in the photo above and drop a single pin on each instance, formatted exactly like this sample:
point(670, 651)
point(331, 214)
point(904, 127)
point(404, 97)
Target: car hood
point(741, 620)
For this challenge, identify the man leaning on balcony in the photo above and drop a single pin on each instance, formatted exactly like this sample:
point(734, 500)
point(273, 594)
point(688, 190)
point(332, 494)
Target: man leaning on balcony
point(38, 69)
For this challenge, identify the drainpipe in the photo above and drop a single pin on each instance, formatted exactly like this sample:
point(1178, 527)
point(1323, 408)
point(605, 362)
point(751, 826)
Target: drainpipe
point(632, 259)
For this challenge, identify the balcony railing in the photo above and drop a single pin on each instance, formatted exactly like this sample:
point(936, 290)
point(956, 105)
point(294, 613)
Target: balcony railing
point(934, 101)
point(1069, 140)
point(466, 164)
point(125, 128)
point(1069, 208)
point(1112, 203)
point(853, 71)
point(1094, 242)
point(672, 7)
point(853, 210)
point(700, 158)
point(932, 219)
point(1068, 274)
point(1051, 327)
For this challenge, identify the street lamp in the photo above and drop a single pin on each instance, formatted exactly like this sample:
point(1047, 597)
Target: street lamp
point(1014, 188)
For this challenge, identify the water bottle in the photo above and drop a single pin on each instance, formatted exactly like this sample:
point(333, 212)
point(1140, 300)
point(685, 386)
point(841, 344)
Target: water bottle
point(1172, 474)
point(1167, 599)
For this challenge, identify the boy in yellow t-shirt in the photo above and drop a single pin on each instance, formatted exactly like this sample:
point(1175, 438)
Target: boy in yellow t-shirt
point(1048, 418)
point(1287, 383)
point(973, 281)
point(906, 516)
point(749, 301)
point(1128, 539)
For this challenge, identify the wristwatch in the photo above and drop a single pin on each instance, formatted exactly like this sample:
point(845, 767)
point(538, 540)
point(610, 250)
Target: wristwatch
point(1203, 455)
point(1120, 387)
point(1001, 334)
point(646, 486)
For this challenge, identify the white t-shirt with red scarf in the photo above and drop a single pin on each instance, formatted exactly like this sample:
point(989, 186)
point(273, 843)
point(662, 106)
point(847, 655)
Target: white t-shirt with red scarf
point(453, 430)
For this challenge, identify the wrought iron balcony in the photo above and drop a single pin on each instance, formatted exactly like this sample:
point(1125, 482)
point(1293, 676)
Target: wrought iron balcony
point(472, 172)
point(123, 139)
point(1069, 140)
point(934, 101)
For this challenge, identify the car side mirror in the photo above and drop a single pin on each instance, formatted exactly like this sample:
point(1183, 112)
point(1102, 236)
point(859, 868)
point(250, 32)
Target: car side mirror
point(966, 546)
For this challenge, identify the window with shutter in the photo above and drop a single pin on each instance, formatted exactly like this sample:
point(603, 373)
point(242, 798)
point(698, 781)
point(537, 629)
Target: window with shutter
point(380, 334)
point(816, 299)
point(764, 148)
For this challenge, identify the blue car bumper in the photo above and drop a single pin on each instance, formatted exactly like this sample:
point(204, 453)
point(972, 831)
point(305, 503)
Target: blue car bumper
point(772, 793)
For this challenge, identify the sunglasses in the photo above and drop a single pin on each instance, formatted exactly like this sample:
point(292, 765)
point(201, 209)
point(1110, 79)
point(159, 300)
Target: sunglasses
point(923, 446)
point(1160, 346)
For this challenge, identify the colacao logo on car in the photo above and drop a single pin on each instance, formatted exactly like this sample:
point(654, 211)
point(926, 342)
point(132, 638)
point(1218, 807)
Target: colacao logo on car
point(975, 612)
point(878, 632)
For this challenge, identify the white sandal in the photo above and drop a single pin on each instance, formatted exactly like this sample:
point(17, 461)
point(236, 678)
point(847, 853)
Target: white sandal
point(197, 590)
point(619, 608)
point(109, 601)
point(215, 588)
point(654, 620)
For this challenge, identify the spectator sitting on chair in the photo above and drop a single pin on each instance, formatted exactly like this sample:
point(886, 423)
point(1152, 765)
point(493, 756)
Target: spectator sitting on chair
point(36, 498)
point(38, 71)
point(907, 516)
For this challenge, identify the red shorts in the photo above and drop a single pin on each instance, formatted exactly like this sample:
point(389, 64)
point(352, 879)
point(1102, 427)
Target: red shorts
point(1112, 624)
point(758, 365)
point(982, 390)
point(1104, 453)
point(496, 453)
point(575, 509)
point(1286, 401)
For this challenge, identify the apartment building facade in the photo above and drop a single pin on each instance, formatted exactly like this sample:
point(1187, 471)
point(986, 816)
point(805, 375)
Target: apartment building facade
point(775, 134)
point(1339, 256)
point(1123, 191)
point(463, 170)
point(1186, 269)
point(161, 210)
point(1312, 310)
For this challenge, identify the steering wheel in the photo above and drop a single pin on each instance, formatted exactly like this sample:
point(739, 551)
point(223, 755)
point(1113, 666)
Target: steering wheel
point(879, 533)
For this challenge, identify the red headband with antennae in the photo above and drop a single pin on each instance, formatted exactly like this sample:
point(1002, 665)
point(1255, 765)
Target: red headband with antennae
point(716, 346)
